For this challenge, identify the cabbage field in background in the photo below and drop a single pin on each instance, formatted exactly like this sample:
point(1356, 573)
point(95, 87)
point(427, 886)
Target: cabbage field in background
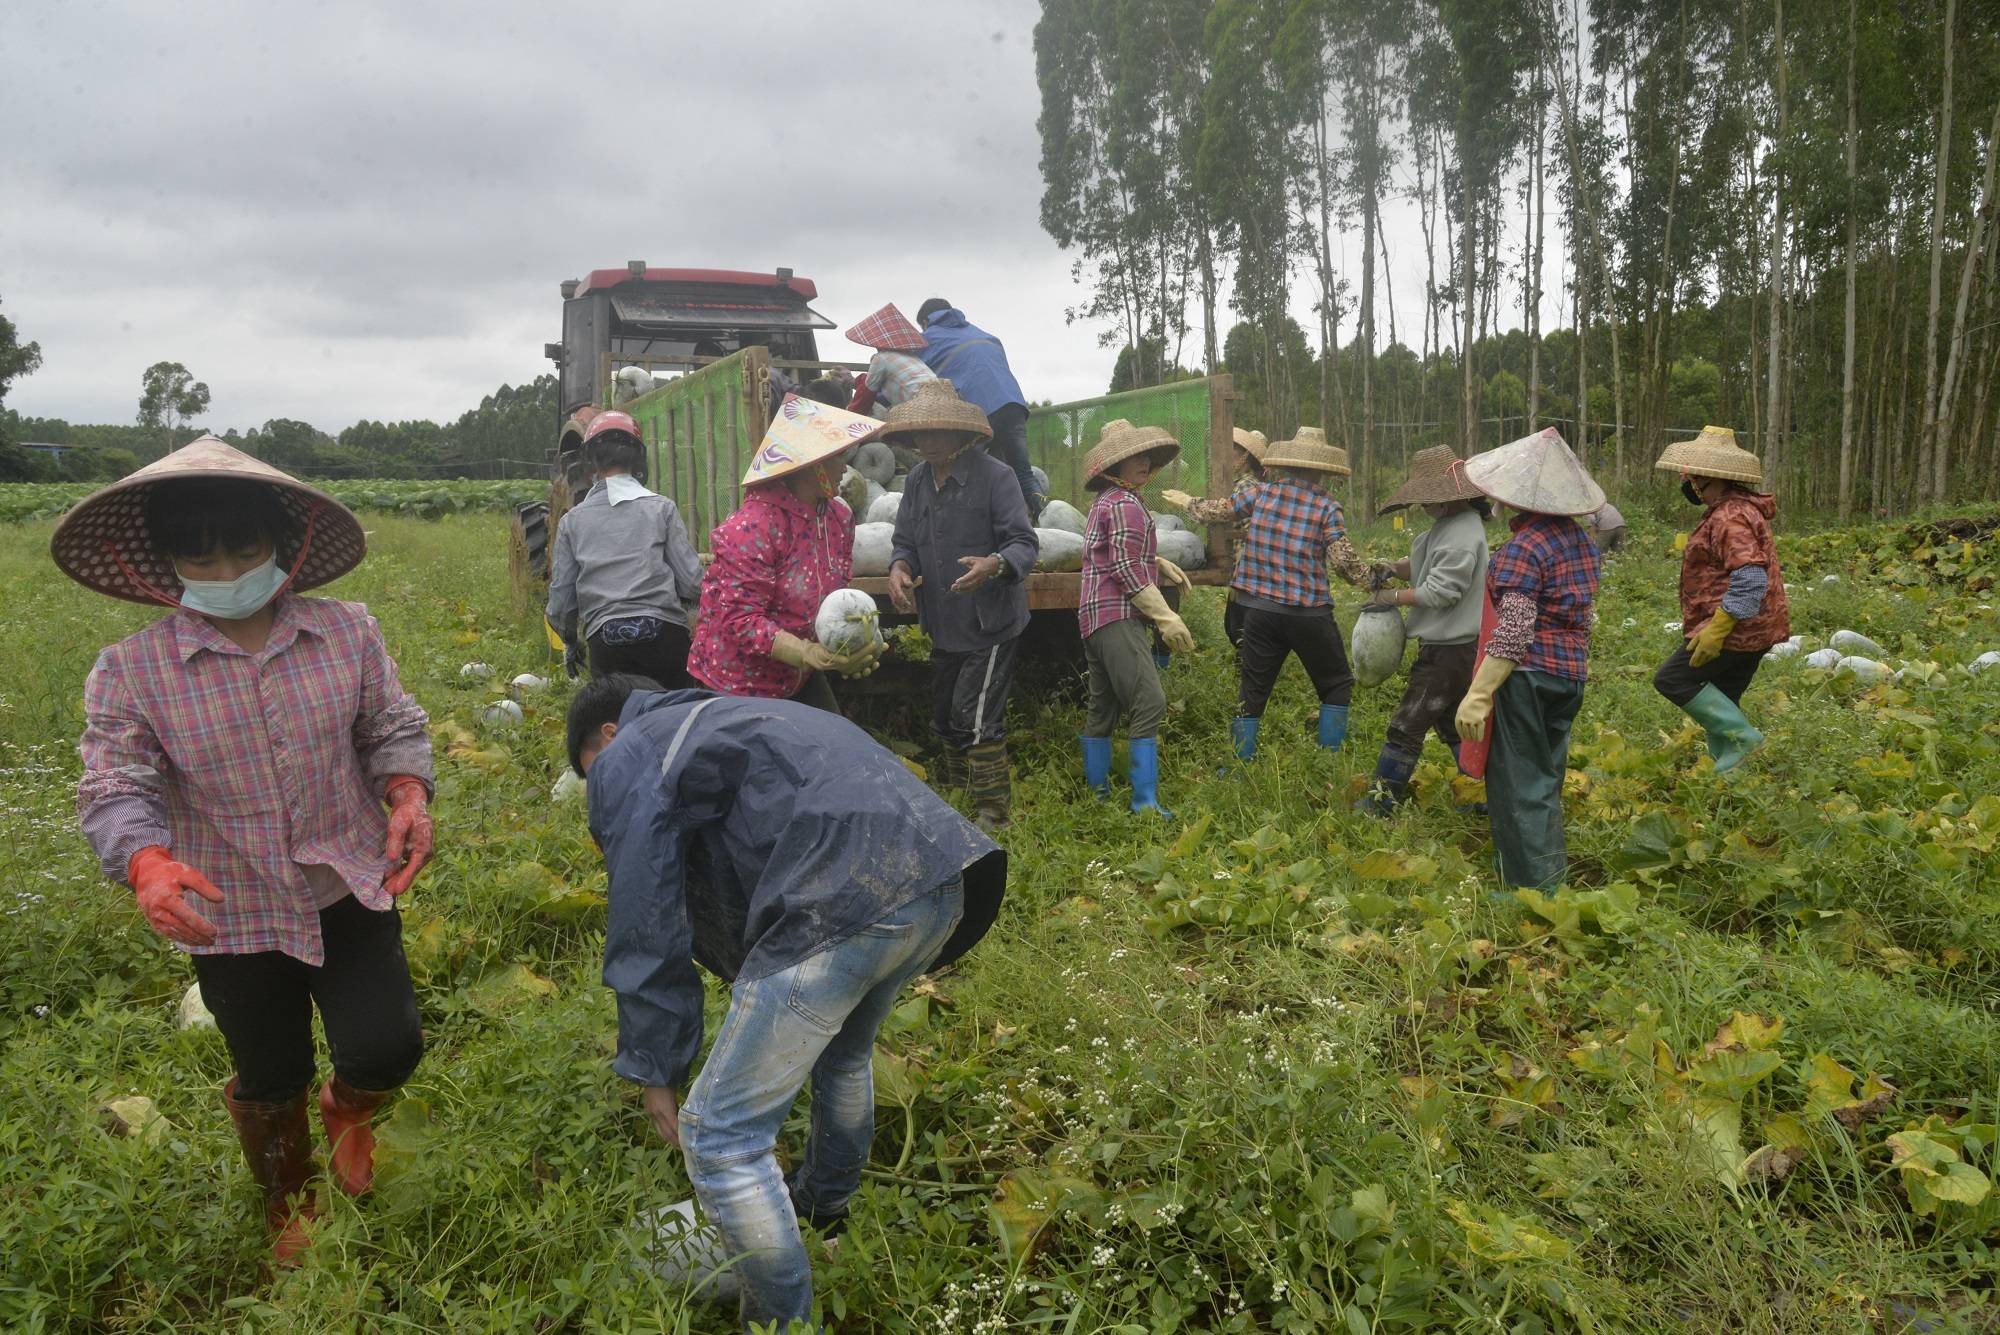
point(424, 500)
point(1273, 1066)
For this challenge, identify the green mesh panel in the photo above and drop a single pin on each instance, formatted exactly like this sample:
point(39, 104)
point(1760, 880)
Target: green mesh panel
point(700, 431)
point(1061, 435)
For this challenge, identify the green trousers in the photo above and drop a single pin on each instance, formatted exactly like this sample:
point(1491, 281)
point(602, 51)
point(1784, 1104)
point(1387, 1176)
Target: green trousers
point(1524, 776)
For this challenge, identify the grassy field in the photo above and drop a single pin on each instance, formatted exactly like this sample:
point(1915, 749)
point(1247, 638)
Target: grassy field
point(1271, 1067)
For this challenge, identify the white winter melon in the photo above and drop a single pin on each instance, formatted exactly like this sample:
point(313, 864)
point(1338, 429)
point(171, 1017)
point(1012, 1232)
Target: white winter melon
point(1183, 548)
point(876, 462)
point(848, 621)
point(872, 546)
point(1061, 549)
point(1377, 644)
point(1062, 515)
point(882, 510)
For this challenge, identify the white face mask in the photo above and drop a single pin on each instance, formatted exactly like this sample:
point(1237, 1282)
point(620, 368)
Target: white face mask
point(233, 599)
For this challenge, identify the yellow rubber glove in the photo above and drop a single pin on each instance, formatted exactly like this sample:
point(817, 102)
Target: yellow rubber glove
point(1178, 499)
point(1172, 574)
point(805, 655)
point(1476, 709)
point(1706, 643)
point(1152, 605)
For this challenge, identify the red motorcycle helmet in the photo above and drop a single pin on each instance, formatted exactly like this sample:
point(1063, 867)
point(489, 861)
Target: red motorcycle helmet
point(607, 422)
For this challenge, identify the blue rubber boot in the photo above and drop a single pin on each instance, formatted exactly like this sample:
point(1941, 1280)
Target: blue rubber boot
point(1393, 769)
point(1162, 659)
point(1730, 736)
point(1096, 764)
point(1145, 775)
point(1332, 726)
point(1243, 740)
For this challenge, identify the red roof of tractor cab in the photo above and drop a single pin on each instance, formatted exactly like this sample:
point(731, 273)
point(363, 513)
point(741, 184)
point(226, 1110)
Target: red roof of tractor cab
point(603, 278)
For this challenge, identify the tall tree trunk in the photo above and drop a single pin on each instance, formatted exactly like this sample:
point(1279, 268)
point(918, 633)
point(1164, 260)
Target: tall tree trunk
point(1975, 250)
point(1371, 170)
point(1468, 260)
point(1774, 459)
point(1535, 266)
point(1211, 351)
point(1847, 344)
point(1929, 428)
point(1582, 279)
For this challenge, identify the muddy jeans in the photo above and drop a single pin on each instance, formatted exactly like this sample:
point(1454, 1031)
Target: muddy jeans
point(816, 1019)
point(1438, 681)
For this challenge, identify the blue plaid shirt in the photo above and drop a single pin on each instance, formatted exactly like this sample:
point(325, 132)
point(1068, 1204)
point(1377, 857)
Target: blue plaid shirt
point(1552, 561)
point(1294, 528)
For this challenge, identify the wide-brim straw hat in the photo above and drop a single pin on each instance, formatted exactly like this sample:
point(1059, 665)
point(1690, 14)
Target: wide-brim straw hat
point(1538, 474)
point(1437, 477)
point(103, 542)
point(1308, 449)
point(803, 432)
point(1714, 453)
point(887, 330)
point(1119, 441)
point(935, 406)
point(1251, 443)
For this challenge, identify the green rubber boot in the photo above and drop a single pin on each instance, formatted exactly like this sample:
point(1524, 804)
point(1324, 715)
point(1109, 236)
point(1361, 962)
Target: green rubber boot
point(1730, 736)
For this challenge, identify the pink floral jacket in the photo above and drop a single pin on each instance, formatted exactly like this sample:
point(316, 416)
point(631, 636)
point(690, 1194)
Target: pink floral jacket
point(776, 558)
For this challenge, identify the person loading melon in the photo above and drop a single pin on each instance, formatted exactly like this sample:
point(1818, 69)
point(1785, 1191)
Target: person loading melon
point(962, 552)
point(1542, 585)
point(1733, 605)
point(1446, 571)
point(1295, 532)
point(788, 545)
point(238, 754)
point(1117, 588)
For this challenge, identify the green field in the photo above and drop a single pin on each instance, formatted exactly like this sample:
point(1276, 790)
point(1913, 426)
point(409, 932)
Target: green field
point(1272, 1067)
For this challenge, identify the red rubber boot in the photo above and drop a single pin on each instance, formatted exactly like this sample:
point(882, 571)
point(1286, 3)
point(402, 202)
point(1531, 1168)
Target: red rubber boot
point(348, 1114)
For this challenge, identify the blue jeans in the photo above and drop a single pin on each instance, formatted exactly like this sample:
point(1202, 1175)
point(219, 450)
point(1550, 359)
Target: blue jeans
point(816, 1018)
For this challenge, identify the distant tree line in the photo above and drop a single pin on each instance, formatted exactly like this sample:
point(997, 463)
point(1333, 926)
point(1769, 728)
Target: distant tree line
point(1772, 215)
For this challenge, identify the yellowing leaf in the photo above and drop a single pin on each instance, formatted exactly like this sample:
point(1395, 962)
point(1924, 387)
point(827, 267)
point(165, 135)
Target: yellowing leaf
point(1745, 1032)
point(1190, 838)
point(512, 987)
point(1395, 865)
point(1493, 1235)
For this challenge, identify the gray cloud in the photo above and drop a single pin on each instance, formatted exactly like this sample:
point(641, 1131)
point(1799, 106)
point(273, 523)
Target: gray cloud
point(363, 210)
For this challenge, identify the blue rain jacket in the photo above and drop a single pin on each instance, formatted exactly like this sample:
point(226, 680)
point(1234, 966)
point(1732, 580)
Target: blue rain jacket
point(747, 835)
point(972, 360)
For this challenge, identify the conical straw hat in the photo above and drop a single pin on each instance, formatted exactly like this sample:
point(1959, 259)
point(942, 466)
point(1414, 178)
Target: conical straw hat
point(1538, 474)
point(1119, 441)
point(803, 432)
point(887, 330)
point(1714, 453)
point(1437, 476)
point(1253, 442)
point(103, 542)
point(1308, 449)
point(935, 406)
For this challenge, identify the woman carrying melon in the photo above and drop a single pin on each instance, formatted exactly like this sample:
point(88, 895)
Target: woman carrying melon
point(788, 545)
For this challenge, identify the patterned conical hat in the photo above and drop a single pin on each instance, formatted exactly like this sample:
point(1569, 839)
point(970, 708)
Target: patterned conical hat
point(1714, 453)
point(803, 432)
point(1437, 477)
point(1308, 449)
point(935, 406)
point(887, 330)
point(1538, 474)
point(103, 542)
point(1119, 441)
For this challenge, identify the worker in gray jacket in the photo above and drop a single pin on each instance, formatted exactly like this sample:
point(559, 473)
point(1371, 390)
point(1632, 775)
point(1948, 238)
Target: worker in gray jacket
point(1446, 572)
point(964, 548)
point(624, 572)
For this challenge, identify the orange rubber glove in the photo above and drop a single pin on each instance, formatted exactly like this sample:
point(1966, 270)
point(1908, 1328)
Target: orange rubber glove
point(410, 832)
point(160, 884)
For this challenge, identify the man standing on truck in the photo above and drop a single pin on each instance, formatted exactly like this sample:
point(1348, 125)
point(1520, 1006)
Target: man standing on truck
point(974, 361)
point(963, 551)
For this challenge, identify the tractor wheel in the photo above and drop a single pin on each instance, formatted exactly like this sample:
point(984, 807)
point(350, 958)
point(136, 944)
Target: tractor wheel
point(528, 552)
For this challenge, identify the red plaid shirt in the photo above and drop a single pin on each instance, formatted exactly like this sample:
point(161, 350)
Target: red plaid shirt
point(1292, 528)
point(1119, 556)
point(1552, 561)
point(251, 768)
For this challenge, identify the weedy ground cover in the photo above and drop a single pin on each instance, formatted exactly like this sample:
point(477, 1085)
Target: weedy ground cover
point(1271, 1067)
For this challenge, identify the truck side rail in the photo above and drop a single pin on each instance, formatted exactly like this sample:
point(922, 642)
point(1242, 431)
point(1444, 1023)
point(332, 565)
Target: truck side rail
point(700, 432)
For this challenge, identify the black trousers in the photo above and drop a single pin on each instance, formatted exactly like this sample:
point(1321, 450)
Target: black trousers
point(1010, 446)
point(1232, 623)
point(664, 658)
point(818, 692)
point(1729, 672)
point(263, 1004)
point(1438, 681)
point(1269, 636)
point(969, 694)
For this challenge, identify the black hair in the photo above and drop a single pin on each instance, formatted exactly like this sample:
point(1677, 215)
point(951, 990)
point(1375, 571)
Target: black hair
point(618, 449)
point(194, 516)
point(828, 391)
point(1256, 464)
point(1483, 504)
point(931, 307)
point(600, 701)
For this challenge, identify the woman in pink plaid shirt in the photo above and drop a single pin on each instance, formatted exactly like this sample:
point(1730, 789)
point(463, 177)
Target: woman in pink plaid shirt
point(238, 756)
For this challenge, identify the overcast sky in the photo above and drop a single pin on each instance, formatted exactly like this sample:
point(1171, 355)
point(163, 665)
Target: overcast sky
point(363, 210)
